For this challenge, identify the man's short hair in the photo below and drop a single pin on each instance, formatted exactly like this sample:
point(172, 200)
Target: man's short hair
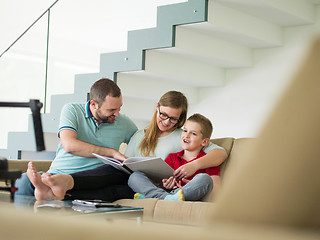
point(102, 88)
point(205, 124)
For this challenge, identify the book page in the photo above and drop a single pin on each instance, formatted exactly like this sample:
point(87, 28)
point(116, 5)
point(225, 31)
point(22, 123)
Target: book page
point(104, 158)
point(137, 159)
point(113, 162)
point(155, 168)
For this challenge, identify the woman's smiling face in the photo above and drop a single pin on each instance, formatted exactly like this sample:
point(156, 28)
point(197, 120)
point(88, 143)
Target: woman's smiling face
point(172, 114)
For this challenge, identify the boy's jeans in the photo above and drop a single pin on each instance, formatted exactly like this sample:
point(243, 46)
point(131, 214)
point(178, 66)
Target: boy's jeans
point(194, 190)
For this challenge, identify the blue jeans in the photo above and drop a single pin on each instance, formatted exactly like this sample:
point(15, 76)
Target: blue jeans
point(25, 187)
point(196, 189)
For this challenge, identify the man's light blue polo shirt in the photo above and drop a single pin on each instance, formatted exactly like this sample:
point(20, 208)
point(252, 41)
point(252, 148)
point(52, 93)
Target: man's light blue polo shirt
point(78, 117)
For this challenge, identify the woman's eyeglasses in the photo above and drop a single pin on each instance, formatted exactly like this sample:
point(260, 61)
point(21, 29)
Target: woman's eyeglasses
point(164, 116)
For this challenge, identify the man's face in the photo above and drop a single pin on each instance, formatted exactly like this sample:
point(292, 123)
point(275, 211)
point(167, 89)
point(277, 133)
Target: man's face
point(109, 109)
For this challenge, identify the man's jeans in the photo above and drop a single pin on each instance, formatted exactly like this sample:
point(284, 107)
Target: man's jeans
point(25, 187)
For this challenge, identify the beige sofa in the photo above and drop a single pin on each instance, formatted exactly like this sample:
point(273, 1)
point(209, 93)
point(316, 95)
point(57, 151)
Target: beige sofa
point(189, 213)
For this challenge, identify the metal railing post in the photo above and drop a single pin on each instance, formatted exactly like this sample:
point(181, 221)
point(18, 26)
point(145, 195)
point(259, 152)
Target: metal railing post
point(47, 59)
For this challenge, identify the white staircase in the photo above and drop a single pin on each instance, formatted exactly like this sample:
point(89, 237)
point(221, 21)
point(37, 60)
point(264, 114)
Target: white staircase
point(210, 57)
point(230, 57)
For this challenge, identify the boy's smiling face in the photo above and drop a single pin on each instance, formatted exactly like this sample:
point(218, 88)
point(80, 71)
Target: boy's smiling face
point(192, 138)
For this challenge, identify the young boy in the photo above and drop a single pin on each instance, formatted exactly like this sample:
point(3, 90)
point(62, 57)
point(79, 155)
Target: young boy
point(196, 135)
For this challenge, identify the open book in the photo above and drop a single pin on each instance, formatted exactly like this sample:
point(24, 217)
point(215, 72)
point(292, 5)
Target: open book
point(154, 167)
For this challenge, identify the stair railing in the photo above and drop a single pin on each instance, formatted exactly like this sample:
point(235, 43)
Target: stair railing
point(47, 48)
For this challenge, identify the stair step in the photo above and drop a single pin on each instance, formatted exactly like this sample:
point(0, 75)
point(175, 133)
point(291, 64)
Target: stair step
point(218, 51)
point(83, 83)
point(180, 68)
point(163, 36)
point(285, 13)
point(131, 82)
point(242, 28)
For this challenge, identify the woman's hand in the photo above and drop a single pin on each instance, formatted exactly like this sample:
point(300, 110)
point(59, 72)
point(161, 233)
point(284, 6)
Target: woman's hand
point(186, 170)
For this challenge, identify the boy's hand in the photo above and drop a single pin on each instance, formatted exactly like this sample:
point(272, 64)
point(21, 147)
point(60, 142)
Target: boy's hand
point(179, 184)
point(169, 183)
point(185, 180)
point(186, 170)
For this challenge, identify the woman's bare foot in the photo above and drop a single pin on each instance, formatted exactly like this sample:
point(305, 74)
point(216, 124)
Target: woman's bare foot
point(58, 183)
point(42, 191)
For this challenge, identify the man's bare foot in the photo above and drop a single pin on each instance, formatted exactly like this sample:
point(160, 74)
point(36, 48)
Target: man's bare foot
point(58, 183)
point(42, 191)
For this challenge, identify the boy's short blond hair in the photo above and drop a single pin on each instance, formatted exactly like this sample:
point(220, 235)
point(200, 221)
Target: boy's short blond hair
point(205, 124)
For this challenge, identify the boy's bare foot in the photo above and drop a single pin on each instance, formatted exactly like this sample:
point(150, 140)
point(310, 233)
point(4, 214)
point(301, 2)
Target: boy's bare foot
point(42, 191)
point(58, 183)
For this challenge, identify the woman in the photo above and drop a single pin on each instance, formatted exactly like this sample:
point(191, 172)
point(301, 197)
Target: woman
point(163, 136)
point(160, 138)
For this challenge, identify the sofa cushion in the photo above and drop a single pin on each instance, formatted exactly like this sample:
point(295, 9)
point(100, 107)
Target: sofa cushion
point(174, 212)
point(148, 204)
point(240, 147)
point(177, 212)
point(227, 144)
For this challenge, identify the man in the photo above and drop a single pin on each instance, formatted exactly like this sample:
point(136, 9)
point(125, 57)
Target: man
point(94, 127)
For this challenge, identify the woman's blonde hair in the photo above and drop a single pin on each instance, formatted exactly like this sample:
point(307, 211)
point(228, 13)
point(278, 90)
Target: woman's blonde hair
point(173, 99)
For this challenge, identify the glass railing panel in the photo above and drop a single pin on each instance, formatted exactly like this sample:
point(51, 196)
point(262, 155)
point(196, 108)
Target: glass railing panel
point(22, 77)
